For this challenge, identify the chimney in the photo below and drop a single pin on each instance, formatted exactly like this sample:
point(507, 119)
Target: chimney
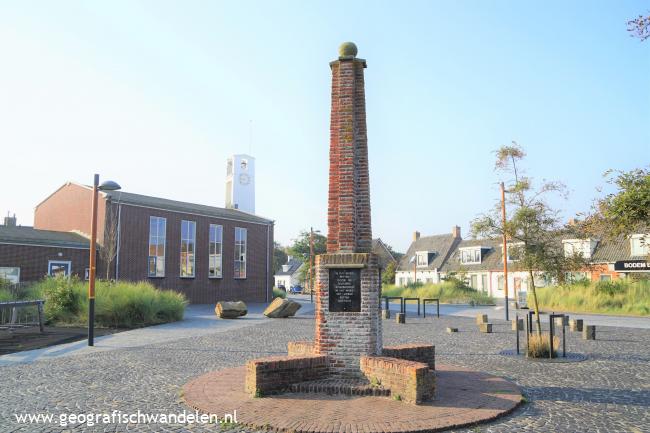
point(455, 232)
point(416, 236)
point(10, 221)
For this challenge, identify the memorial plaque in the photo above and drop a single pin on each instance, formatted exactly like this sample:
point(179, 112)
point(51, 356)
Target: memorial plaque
point(345, 290)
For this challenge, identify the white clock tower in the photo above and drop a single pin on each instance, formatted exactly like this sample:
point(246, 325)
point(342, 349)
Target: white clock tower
point(240, 183)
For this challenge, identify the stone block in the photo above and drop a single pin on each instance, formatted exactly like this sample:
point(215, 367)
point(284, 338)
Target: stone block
point(481, 318)
point(385, 314)
point(589, 332)
point(450, 329)
point(561, 321)
point(400, 318)
point(230, 310)
point(485, 328)
point(299, 348)
point(517, 324)
point(281, 308)
point(576, 325)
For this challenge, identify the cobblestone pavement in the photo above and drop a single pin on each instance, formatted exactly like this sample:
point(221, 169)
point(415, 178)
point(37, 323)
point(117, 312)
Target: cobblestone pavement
point(609, 392)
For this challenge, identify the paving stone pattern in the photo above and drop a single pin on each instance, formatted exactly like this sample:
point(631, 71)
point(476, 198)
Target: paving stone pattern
point(609, 392)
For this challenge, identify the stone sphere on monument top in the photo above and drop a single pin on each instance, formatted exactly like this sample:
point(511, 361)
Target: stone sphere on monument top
point(348, 49)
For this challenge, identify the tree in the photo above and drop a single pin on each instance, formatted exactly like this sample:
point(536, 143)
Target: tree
point(279, 257)
point(300, 249)
point(397, 256)
point(388, 274)
point(532, 225)
point(300, 246)
point(625, 211)
point(108, 250)
point(639, 27)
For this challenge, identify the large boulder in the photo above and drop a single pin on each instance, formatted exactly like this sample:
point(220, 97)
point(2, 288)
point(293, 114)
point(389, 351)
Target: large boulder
point(230, 310)
point(281, 308)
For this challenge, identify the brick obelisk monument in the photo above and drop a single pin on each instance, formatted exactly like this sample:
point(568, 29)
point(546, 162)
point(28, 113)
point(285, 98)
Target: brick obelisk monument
point(348, 324)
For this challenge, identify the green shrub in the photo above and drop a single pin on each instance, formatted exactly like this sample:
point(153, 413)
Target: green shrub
point(62, 299)
point(611, 287)
point(279, 293)
point(6, 294)
point(130, 305)
point(117, 304)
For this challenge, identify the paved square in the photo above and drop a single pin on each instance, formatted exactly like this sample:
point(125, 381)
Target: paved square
point(608, 392)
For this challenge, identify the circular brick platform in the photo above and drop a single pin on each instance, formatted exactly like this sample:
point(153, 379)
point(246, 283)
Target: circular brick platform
point(462, 397)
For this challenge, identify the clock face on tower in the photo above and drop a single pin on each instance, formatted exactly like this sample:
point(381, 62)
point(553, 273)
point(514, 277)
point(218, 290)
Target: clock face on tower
point(244, 179)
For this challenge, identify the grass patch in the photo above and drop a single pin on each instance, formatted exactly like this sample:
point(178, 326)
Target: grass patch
point(118, 304)
point(452, 291)
point(623, 297)
point(539, 346)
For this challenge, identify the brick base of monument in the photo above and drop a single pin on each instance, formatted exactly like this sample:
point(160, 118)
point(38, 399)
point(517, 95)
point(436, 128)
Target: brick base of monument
point(462, 398)
point(405, 372)
point(345, 329)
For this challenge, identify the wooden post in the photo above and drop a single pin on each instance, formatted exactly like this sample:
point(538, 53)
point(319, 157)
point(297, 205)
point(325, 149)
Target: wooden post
point(92, 264)
point(311, 264)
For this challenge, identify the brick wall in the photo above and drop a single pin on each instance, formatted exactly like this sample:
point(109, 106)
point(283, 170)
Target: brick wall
point(602, 269)
point(424, 353)
point(33, 260)
point(134, 245)
point(70, 208)
point(277, 373)
point(412, 381)
point(345, 336)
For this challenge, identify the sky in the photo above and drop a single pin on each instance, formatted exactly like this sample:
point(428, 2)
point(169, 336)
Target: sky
point(157, 94)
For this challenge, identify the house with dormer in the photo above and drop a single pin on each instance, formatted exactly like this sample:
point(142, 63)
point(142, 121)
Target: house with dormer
point(425, 257)
point(289, 274)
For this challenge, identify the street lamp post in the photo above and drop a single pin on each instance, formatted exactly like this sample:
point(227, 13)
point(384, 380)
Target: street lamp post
point(106, 186)
point(505, 247)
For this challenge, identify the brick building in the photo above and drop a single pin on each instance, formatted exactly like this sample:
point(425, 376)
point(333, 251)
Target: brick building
point(28, 254)
point(207, 253)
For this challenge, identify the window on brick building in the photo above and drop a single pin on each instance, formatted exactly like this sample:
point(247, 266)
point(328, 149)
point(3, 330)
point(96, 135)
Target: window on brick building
point(240, 252)
point(188, 246)
point(157, 237)
point(215, 250)
point(605, 277)
point(10, 274)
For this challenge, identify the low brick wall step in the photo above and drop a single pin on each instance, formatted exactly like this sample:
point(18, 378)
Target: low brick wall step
point(358, 387)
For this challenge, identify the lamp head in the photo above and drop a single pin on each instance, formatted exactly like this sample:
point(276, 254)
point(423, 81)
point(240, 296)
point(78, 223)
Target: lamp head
point(109, 185)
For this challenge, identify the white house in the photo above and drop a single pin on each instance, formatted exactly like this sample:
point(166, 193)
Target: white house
point(425, 257)
point(288, 275)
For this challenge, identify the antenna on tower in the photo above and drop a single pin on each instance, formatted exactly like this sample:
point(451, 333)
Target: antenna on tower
point(250, 137)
